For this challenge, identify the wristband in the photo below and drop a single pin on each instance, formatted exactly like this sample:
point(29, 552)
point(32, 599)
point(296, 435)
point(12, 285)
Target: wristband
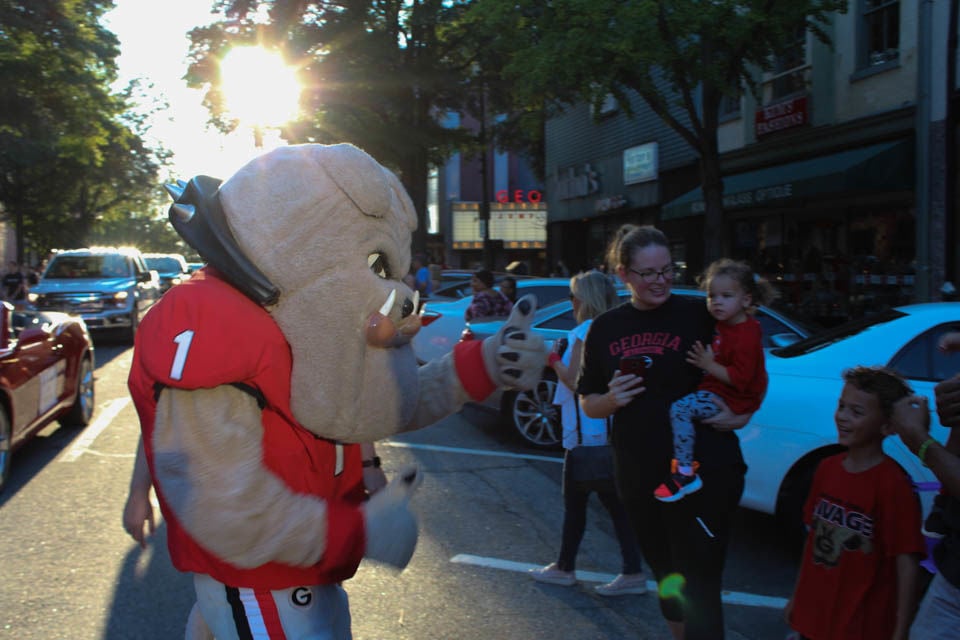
point(553, 358)
point(372, 462)
point(922, 451)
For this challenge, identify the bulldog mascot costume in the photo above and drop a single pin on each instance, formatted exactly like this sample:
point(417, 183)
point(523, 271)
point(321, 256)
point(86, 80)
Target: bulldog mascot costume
point(255, 380)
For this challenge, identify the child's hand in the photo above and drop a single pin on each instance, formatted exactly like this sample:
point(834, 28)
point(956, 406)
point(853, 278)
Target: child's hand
point(700, 356)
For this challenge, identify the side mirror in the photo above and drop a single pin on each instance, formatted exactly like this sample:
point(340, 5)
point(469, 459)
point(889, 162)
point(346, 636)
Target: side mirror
point(6, 324)
point(783, 339)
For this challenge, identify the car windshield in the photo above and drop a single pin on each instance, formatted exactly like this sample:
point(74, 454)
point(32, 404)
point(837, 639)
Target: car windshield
point(97, 266)
point(827, 337)
point(164, 264)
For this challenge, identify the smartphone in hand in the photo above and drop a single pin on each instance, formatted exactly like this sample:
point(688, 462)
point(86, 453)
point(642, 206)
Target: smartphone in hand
point(637, 365)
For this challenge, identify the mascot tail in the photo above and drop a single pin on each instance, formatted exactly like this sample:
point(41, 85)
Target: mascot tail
point(197, 628)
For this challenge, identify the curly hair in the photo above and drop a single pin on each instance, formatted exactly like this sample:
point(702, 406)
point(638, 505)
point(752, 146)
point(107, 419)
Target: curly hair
point(759, 289)
point(886, 384)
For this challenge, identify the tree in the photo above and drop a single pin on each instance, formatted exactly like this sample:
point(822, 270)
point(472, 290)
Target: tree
point(680, 56)
point(71, 149)
point(373, 73)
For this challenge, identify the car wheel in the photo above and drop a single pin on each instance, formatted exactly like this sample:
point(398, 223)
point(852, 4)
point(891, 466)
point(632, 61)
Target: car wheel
point(6, 445)
point(793, 496)
point(131, 331)
point(534, 416)
point(82, 410)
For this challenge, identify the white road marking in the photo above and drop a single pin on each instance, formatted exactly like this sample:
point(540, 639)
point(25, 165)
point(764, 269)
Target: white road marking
point(729, 597)
point(104, 417)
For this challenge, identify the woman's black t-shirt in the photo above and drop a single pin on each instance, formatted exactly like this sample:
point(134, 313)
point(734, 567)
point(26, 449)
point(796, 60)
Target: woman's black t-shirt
point(642, 436)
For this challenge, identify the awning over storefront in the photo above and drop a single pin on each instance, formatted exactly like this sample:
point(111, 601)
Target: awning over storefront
point(885, 167)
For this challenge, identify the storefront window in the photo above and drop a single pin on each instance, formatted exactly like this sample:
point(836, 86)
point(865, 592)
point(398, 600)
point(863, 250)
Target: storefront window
point(831, 268)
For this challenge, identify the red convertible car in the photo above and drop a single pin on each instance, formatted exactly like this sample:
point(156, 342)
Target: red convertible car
point(46, 374)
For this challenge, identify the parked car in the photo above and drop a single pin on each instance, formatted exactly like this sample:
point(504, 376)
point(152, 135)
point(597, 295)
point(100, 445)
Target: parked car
point(456, 285)
point(109, 287)
point(443, 320)
point(46, 374)
point(794, 428)
point(533, 414)
point(172, 268)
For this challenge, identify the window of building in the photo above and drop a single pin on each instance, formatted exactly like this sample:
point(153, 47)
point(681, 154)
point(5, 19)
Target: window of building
point(880, 37)
point(790, 72)
point(730, 106)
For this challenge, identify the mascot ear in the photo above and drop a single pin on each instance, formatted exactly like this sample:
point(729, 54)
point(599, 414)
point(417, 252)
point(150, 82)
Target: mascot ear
point(361, 178)
point(197, 216)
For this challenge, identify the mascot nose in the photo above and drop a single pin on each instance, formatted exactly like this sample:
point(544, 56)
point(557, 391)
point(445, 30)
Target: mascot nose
point(383, 332)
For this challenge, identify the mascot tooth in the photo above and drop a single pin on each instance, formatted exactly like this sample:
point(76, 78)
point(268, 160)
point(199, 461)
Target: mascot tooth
point(256, 379)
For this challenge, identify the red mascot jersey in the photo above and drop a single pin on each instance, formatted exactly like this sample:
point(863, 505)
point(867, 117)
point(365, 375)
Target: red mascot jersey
point(204, 333)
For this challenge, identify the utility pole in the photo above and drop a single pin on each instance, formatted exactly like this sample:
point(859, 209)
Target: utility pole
point(485, 182)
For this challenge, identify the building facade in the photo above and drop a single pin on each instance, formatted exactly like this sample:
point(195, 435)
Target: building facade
point(515, 233)
point(837, 176)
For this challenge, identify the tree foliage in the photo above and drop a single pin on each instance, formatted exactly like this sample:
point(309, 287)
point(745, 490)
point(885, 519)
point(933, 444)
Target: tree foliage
point(680, 56)
point(375, 74)
point(71, 148)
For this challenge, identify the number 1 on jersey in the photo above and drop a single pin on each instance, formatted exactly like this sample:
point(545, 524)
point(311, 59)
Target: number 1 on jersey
point(183, 341)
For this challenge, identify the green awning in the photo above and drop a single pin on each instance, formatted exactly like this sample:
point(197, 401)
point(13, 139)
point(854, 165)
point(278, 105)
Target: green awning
point(886, 167)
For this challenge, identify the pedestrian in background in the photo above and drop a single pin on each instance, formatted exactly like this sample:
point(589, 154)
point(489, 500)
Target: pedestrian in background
point(487, 301)
point(14, 283)
point(592, 293)
point(508, 287)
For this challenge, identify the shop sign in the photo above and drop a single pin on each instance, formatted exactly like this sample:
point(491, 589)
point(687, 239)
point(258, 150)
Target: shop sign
point(577, 185)
point(609, 204)
point(640, 163)
point(753, 198)
point(782, 115)
point(518, 226)
point(518, 195)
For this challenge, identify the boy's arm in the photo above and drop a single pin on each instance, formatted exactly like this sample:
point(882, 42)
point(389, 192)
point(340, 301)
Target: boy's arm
point(908, 569)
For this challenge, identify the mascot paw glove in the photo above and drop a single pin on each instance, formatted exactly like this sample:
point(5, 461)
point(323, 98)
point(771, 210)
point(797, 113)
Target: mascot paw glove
point(391, 526)
point(514, 356)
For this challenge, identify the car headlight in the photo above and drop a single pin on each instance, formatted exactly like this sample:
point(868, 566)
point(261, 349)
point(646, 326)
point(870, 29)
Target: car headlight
point(33, 297)
point(120, 296)
point(174, 281)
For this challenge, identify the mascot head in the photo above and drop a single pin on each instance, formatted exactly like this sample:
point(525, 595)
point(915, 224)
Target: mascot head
point(320, 236)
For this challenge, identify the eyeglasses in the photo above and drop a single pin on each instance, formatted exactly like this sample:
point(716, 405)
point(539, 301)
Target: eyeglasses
point(649, 276)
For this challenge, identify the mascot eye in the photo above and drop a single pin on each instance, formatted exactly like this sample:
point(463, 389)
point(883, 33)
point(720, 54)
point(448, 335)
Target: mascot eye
point(378, 264)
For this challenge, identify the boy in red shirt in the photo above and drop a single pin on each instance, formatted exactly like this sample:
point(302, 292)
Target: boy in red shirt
point(860, 564)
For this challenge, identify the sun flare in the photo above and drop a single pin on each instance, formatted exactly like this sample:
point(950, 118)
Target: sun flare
point(259, 88)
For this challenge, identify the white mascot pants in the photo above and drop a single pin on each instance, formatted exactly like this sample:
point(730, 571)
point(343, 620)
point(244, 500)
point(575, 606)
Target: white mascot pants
point(297, 613)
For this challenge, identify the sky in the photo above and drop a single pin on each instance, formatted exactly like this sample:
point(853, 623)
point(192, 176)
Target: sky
point(154, 45)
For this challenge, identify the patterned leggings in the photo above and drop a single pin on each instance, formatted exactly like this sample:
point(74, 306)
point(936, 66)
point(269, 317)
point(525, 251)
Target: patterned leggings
point(697, 405)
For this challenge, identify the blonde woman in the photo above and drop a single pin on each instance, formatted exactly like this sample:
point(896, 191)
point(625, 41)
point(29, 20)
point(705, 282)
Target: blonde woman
point(591, 293)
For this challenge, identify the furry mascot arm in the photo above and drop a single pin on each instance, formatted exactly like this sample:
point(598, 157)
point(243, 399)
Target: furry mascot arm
point(216, 484)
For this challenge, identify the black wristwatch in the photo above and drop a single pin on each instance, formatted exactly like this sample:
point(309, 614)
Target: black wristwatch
point(372, 462)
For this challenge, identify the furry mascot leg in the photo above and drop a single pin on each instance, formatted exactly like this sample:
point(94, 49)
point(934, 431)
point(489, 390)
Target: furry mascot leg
point(197, 628)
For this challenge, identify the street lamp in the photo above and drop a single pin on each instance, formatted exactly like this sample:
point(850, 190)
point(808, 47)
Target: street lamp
point(259, 88)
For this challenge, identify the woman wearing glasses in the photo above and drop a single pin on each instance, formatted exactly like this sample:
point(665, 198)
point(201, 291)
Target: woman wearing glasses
point(684, 542)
